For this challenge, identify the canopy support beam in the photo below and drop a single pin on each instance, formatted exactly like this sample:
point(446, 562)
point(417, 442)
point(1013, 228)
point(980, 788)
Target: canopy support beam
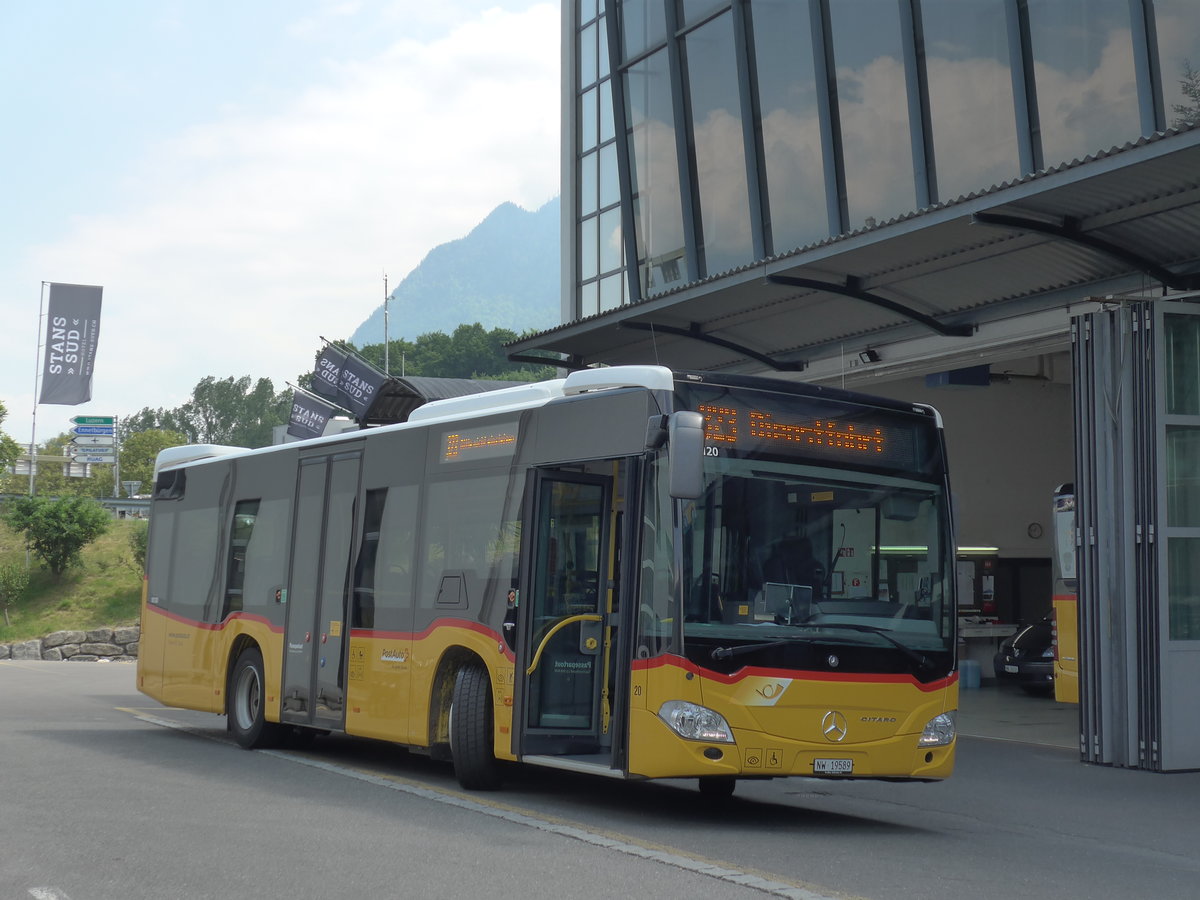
point(851, 289)
point(1069, 230)
point(696, 333)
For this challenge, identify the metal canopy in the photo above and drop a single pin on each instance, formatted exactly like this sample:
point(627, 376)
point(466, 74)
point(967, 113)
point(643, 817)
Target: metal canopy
point(398, 397)
point(1130, 215)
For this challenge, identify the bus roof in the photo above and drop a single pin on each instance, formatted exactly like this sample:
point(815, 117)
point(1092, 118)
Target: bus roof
point(523, 396)
point(178, 456)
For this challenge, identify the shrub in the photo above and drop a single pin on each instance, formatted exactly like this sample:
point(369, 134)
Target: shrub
point(14, 581)
point(57, 530)
point(137, 543)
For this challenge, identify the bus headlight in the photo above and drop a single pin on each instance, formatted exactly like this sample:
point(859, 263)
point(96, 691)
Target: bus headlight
point(695, 722)
point(939, 731)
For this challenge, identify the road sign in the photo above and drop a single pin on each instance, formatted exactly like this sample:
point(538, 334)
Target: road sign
point(94, 420)
point(93, 429)
point(93, 440)
point(95, 458)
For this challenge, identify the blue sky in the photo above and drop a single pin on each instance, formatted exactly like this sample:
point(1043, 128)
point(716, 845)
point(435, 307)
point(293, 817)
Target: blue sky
point(239, 176)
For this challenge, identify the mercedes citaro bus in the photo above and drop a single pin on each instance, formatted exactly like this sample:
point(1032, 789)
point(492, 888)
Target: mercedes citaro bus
point(598, 573)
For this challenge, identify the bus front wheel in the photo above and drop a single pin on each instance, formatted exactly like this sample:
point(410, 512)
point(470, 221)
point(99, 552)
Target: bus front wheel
point(246, 705)
point(475, 763)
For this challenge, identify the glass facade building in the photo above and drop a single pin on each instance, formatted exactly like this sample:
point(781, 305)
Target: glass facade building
point(743, 131)
point(601, 282)
point(881, 189)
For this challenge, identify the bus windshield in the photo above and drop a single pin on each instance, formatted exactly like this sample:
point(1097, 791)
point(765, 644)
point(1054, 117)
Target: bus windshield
point(797, 560)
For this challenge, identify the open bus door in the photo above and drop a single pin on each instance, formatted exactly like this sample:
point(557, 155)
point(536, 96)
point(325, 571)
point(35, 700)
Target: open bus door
point(567, 669)
point(1066, 598)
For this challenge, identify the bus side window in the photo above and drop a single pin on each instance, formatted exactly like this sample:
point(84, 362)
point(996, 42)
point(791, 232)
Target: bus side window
point(465, 525)
point(239, 540)
point(158, 569)
point(171, 484)
point(657, 604)
point(194, 576)
point(383, 572)
point(257, 554)
point(362, 615)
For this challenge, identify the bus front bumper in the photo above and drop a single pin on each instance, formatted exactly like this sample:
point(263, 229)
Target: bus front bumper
point(663, 754)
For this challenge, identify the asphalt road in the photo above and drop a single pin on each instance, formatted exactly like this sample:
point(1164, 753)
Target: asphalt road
point(106, 794)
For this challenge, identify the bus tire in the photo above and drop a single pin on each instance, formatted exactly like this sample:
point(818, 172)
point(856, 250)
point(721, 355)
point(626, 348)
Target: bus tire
point(475, 763)
point(247, 703)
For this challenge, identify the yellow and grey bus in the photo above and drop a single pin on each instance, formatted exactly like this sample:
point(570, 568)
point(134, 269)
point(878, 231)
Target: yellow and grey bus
point(1065, 602)
point(628, 571)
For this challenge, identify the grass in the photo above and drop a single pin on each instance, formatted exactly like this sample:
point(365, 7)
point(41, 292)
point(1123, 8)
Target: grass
point(104, 592)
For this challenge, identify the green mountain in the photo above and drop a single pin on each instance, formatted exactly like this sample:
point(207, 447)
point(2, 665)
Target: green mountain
point(503, 274)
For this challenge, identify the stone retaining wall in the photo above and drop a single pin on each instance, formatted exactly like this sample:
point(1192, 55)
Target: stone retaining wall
point(79, 646)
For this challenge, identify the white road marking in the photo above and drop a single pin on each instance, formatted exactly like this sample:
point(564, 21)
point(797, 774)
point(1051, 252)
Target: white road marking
point(47, 893)
point(619, 843)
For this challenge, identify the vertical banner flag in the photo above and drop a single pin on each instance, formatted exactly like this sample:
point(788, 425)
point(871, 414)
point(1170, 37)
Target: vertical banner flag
point(72, 333)
point(358, 386)
point(309, 415)
point(328, 374)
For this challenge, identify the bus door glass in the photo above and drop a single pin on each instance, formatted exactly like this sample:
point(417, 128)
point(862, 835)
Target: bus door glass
point(314, 668)
point(564, 659)
point(1065, 598)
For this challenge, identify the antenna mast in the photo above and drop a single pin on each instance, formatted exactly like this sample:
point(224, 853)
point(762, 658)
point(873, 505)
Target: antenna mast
point(386, 368)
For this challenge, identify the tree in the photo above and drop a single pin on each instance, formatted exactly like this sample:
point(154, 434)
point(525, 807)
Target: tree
point(14, 581)
point(57, 530)
point(9, 449)
point(52, 482)
point(139, 450)
point(147, 419)
point(1186, 113)
point(230, 410)
point(471, 352)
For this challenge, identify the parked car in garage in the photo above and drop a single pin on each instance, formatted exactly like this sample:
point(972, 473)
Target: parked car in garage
point(1027, 658)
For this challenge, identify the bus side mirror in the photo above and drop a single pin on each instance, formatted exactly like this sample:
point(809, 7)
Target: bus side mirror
point(685, 455)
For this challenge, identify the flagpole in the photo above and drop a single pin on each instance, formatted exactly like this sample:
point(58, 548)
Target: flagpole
point(117, 458)
point(37, 375)
point(386, 369)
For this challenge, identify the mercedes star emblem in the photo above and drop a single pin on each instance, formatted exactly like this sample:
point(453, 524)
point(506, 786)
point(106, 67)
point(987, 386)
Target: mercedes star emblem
point(833, 726)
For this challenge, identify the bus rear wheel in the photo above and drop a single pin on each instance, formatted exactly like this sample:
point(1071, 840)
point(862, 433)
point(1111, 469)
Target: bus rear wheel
point(246, 705)
point(475, 763)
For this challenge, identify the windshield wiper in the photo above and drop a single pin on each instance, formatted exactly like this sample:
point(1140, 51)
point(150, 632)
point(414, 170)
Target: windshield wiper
point(916, 656)
point(726, 652)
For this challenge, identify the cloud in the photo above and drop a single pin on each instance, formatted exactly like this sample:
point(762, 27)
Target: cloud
point(242, 239)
